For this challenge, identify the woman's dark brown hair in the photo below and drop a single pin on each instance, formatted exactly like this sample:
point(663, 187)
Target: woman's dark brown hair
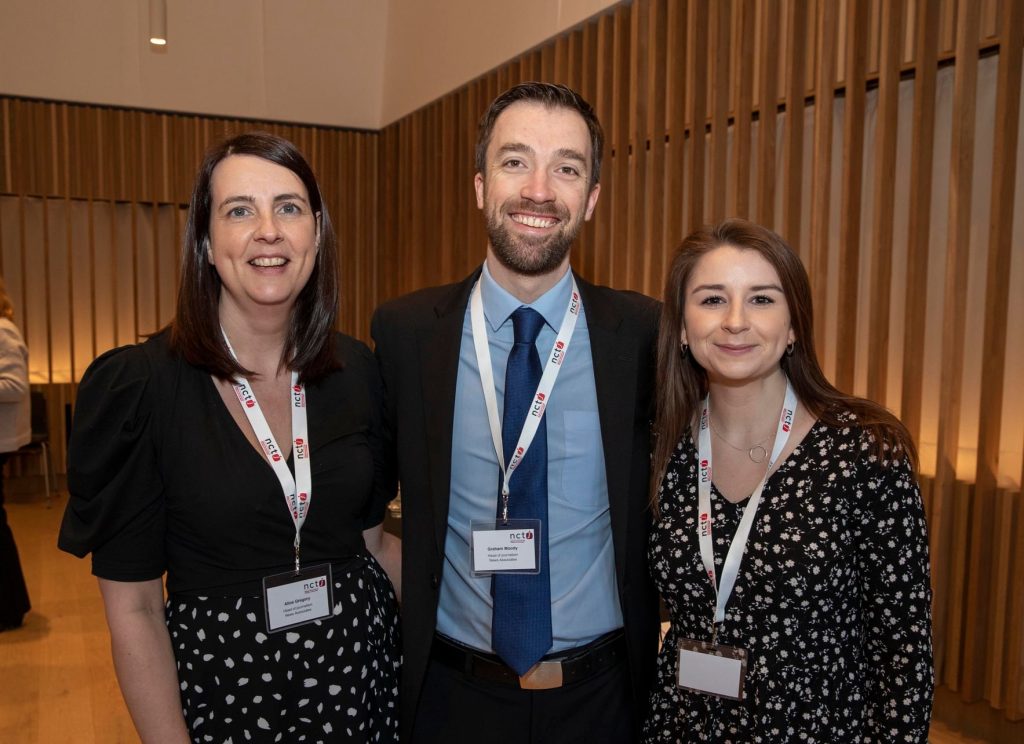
point(195, 331)
point(682, 384)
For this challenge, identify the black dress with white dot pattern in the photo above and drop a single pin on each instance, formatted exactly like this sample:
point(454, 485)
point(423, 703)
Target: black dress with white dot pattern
point(328, 681)
point(164, 483)
point(832, 602)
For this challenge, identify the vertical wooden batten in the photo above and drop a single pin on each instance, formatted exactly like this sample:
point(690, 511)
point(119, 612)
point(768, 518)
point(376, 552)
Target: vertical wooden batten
point(884, 209)
point(743, 54)
point(767, 111)
point(854, 75)
point(926, 44)
point(696, 68)
point(793, 144)
point(721, 28)
point(821, 174)
point(961, 163)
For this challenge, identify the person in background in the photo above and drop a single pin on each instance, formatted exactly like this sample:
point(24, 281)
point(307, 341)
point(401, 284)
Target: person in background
point(790, 543)
point(241, 453)
point(15, 432)
point(562, 647)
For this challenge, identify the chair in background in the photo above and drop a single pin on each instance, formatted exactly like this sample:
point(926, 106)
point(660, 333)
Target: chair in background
point(40, 443)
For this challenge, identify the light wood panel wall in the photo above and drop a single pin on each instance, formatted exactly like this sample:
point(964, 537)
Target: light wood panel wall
point(75, 159)
point(819, 119)
point(92, 210)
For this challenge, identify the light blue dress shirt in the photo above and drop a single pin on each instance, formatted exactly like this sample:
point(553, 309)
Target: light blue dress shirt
point(584, 597)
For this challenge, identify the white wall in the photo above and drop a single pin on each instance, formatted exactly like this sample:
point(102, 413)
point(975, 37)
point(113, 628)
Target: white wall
point(435, 46)
point(353, 63)
point(309, 61)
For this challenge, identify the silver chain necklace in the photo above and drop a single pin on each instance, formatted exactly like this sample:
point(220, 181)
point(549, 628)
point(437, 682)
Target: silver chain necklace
point(757, 447)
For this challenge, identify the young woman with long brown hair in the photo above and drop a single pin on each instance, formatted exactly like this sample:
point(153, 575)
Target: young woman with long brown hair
point(790, 544)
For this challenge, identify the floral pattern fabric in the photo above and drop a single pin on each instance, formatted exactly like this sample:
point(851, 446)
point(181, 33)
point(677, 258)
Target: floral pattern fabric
point(832, 602)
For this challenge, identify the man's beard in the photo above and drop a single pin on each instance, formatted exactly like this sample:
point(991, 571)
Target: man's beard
point(528, 255)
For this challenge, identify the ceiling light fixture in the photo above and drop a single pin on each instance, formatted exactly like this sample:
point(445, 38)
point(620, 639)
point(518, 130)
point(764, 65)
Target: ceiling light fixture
point(158, 22)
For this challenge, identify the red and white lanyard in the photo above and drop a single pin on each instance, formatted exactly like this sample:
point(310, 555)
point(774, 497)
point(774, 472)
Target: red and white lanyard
point(739, 541)
point(298, 491)
point(543, 394)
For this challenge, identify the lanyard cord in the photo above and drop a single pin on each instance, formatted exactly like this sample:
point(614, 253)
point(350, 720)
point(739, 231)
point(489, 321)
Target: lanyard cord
point(735, 555)
point(297, 490)
point(541, 398)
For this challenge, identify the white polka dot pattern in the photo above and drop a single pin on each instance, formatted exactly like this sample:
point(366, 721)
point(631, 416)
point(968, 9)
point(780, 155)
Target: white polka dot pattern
point(328, 681)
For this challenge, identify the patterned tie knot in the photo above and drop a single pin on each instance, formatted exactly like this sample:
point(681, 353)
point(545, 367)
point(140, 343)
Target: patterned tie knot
point(526, 324)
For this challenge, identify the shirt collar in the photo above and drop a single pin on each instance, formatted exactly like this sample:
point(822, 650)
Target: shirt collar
point(499, 304)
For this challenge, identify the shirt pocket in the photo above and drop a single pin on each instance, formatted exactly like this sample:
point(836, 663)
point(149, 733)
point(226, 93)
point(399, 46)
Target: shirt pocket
point(583, 474)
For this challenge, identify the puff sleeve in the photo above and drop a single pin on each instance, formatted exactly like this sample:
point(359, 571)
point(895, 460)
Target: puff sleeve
point(116, 509)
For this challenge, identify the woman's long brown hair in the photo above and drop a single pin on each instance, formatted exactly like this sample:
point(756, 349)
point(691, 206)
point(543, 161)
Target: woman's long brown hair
point(682, 384)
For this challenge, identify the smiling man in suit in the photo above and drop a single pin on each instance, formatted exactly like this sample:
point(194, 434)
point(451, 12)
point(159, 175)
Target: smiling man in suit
point(520, 402)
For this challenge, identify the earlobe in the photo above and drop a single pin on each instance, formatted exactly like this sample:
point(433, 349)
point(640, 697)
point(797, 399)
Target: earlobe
point(207, 250)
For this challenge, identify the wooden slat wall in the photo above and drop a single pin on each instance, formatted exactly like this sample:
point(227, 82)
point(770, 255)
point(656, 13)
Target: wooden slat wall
point(97, 154)
point(91, 217)
point(693, 96)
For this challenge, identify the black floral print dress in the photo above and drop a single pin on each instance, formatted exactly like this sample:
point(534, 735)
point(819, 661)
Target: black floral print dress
point(832, 602)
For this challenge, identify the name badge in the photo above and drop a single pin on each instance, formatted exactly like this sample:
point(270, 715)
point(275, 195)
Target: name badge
point(711, 668)
point(507, 547)
point(295, 598)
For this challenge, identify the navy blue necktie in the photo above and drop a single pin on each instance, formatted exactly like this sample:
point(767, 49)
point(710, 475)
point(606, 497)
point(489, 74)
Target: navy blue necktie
point(521, 626)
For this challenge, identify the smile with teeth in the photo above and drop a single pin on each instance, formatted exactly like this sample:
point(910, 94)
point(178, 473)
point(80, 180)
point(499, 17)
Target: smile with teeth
point(531, 220)
point(268, 261)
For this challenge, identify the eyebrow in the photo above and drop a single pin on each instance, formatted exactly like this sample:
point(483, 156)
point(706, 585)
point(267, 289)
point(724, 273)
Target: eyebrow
point(514, 147)
point(562, 152)
point(246, 199)
point(568, 152)
point(721, 288)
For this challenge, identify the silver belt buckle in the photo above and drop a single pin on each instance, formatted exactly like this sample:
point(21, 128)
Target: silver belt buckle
point(544, 675)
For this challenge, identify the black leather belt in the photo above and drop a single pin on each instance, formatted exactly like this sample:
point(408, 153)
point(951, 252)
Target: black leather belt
point(554, 670)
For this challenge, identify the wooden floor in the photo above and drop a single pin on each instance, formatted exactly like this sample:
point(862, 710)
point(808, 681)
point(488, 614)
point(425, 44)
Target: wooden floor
point(57, 683)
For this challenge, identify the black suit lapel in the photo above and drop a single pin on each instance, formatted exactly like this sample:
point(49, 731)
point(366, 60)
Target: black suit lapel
point(615, 359)
point(439, 357)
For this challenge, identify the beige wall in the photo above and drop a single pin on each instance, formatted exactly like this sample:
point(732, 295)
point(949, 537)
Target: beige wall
point(435, 46)
point(352, 63)
point(312, 61)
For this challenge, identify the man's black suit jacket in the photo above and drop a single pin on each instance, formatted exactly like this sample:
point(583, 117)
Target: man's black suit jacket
point(418, 339)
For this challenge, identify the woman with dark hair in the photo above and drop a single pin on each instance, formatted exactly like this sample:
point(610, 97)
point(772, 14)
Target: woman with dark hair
point(241, 452)
point(790, 544)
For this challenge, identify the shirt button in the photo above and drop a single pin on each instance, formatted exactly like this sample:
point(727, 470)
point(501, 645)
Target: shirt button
point(434, 581)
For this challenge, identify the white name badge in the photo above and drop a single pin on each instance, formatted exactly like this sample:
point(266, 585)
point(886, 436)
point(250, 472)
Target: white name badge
point(711, 668)
point(298, 597)
point(507, 547)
